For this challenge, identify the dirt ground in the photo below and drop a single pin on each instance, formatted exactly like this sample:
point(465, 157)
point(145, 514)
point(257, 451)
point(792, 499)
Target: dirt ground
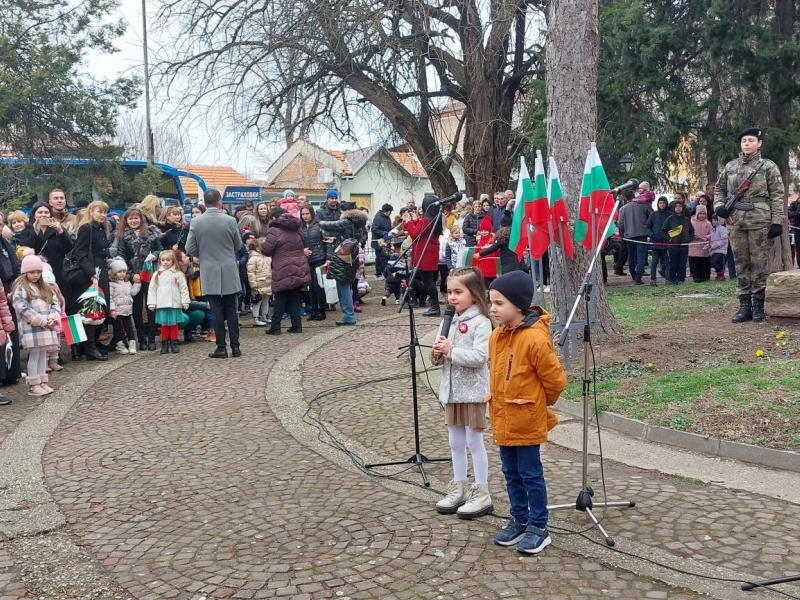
point(704, 340)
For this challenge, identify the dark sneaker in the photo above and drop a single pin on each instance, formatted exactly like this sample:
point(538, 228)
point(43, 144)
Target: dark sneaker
point(653, 283)
point(510, 534)
point(534, 541)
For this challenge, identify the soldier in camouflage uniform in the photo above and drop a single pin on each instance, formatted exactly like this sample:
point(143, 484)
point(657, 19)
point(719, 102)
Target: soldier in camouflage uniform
point(751, 232)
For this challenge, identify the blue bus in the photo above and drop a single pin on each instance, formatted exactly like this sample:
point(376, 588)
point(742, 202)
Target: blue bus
point(169, 189)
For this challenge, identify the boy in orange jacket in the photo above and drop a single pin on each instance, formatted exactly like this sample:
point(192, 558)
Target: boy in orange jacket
point(525, 378)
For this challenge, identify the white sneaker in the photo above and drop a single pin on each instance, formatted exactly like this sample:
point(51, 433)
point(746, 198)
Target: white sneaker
point(258, 322)
point(547, 289)
point(121, 349)
point(479, 503)
point(397, 301)
point(457, 495)
point(132, 347)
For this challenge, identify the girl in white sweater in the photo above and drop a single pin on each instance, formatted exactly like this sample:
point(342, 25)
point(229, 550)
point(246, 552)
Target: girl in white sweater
point(168, 296)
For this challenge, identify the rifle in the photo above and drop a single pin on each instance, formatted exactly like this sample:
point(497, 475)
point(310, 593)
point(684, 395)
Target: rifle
point(735, 200)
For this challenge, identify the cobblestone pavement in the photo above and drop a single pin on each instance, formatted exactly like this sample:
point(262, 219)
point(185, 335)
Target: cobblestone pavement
point(179, 482)
point(11, 584)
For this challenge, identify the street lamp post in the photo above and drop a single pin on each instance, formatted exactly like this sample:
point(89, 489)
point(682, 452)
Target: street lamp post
point(626, 162)
point(149, 133)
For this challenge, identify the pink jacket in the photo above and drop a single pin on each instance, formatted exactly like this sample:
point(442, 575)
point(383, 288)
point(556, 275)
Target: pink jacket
point(290, 206)
point(702, 232)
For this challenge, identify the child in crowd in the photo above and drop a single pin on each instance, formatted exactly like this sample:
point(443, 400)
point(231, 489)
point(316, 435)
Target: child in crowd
point(18, 221)
point(395, 273)
point(699, 256)
point(680, 232)
point(455, 244)
point(38, 313)
point(50, 279)
point(259, 273)
point(121, 295)
point(463, 354)
point(719, 247)
point(525, 378)
point(168, 296)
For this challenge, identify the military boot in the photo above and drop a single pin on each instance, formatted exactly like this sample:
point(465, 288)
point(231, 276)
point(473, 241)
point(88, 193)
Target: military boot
point(745, 310)
point(758, 309)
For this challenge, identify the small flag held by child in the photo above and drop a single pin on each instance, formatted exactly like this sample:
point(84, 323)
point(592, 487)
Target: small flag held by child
point(74, 333)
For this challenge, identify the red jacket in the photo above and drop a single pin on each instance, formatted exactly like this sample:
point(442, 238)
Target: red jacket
point(420, 229)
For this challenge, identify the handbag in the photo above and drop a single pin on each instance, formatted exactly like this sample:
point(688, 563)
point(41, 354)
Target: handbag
point(71, 267)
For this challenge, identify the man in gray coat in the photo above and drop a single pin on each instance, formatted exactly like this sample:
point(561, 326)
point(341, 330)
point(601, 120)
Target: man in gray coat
point(214, 238)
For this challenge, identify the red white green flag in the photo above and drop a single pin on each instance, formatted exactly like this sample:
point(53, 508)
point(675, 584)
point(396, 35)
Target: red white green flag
point(539, 211)
point(74, 333)
point(558, 210)
point(596, 204)
point(520, 223)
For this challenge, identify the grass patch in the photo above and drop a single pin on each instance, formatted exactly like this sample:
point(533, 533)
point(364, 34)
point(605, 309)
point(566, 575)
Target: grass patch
point(756, 403)
point(678, 478)
point(644, 306)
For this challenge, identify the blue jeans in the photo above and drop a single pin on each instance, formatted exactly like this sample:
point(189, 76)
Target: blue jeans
point(657, 254)
point(345, 291)
point(527, 492)
point(637, 253)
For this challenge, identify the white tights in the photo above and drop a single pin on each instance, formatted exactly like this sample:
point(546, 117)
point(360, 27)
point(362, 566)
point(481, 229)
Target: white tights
point(461, 438)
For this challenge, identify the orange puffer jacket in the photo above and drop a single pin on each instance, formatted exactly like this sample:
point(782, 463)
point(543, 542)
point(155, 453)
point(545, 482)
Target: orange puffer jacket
point(525, 378)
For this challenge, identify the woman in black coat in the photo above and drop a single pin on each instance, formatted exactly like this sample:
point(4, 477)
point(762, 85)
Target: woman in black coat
point(52, 242)
point(9, 271)
point(315, 252)
point(173, 229)
point(91, 250)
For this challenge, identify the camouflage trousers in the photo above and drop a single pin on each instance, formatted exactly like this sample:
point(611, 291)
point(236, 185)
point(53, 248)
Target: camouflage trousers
point(750, 252)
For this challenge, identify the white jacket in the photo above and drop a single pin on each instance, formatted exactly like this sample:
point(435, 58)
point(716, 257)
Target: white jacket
point(465, 372)
point(168, 289)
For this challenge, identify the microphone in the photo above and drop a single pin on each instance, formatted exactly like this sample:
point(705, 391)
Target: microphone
point(456, 197)
point(631, 183)
point(449, 313)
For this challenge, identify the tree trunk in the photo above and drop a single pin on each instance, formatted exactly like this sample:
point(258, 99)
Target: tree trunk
point(780, 94)
point(572, 51)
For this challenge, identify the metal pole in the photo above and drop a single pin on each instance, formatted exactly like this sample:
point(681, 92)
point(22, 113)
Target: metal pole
point(149, 132)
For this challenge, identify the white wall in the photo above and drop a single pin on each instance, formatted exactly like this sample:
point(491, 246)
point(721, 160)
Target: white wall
point(388, 184)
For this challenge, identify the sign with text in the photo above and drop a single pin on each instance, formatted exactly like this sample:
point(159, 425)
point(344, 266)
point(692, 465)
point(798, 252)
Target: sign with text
point(238, 194)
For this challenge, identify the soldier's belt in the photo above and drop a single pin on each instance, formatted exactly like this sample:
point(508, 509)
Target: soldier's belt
point(743, 206)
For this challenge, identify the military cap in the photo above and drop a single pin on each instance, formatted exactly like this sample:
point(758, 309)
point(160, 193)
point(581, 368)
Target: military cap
point(754, 131)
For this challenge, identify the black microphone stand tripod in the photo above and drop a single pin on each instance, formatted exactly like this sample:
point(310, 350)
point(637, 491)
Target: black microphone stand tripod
point(584, 501)
point(418, 459)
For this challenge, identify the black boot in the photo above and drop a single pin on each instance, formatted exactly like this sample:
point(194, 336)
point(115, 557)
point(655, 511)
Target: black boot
point(433, 311)
point(758, 309)
point(91, 351)
point(76, 352)
point(164, 347)
point(745, 311)
point(188, 338)
point(151, 341)
point(142, 342)
point(173, 344)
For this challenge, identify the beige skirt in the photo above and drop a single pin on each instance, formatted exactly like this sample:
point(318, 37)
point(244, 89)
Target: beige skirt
point(470, 414)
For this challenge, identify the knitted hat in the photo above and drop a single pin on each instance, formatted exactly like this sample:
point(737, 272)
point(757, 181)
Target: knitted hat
point(47, 274)
point(701, 209)
point(31, 263)
point(332, 193)
point(288, 193)
point(117, 265)
point(517, 287)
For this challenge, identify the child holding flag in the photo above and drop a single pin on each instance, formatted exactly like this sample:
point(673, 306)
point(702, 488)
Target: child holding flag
point(38, 313)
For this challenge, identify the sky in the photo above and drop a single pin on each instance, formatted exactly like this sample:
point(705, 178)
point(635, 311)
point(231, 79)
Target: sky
point(206, 146)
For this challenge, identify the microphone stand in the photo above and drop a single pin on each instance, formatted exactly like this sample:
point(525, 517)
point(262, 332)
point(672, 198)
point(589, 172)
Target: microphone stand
point(418, 459)
point(584, 501)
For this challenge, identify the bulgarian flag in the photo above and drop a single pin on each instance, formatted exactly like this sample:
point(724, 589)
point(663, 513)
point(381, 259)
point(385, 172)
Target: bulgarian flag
point(539, 211)
point(596, 202)
point(74, 333)
point(558, 210)
point(518, 240)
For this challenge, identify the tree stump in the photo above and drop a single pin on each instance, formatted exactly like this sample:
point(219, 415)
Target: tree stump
point(782, 294)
